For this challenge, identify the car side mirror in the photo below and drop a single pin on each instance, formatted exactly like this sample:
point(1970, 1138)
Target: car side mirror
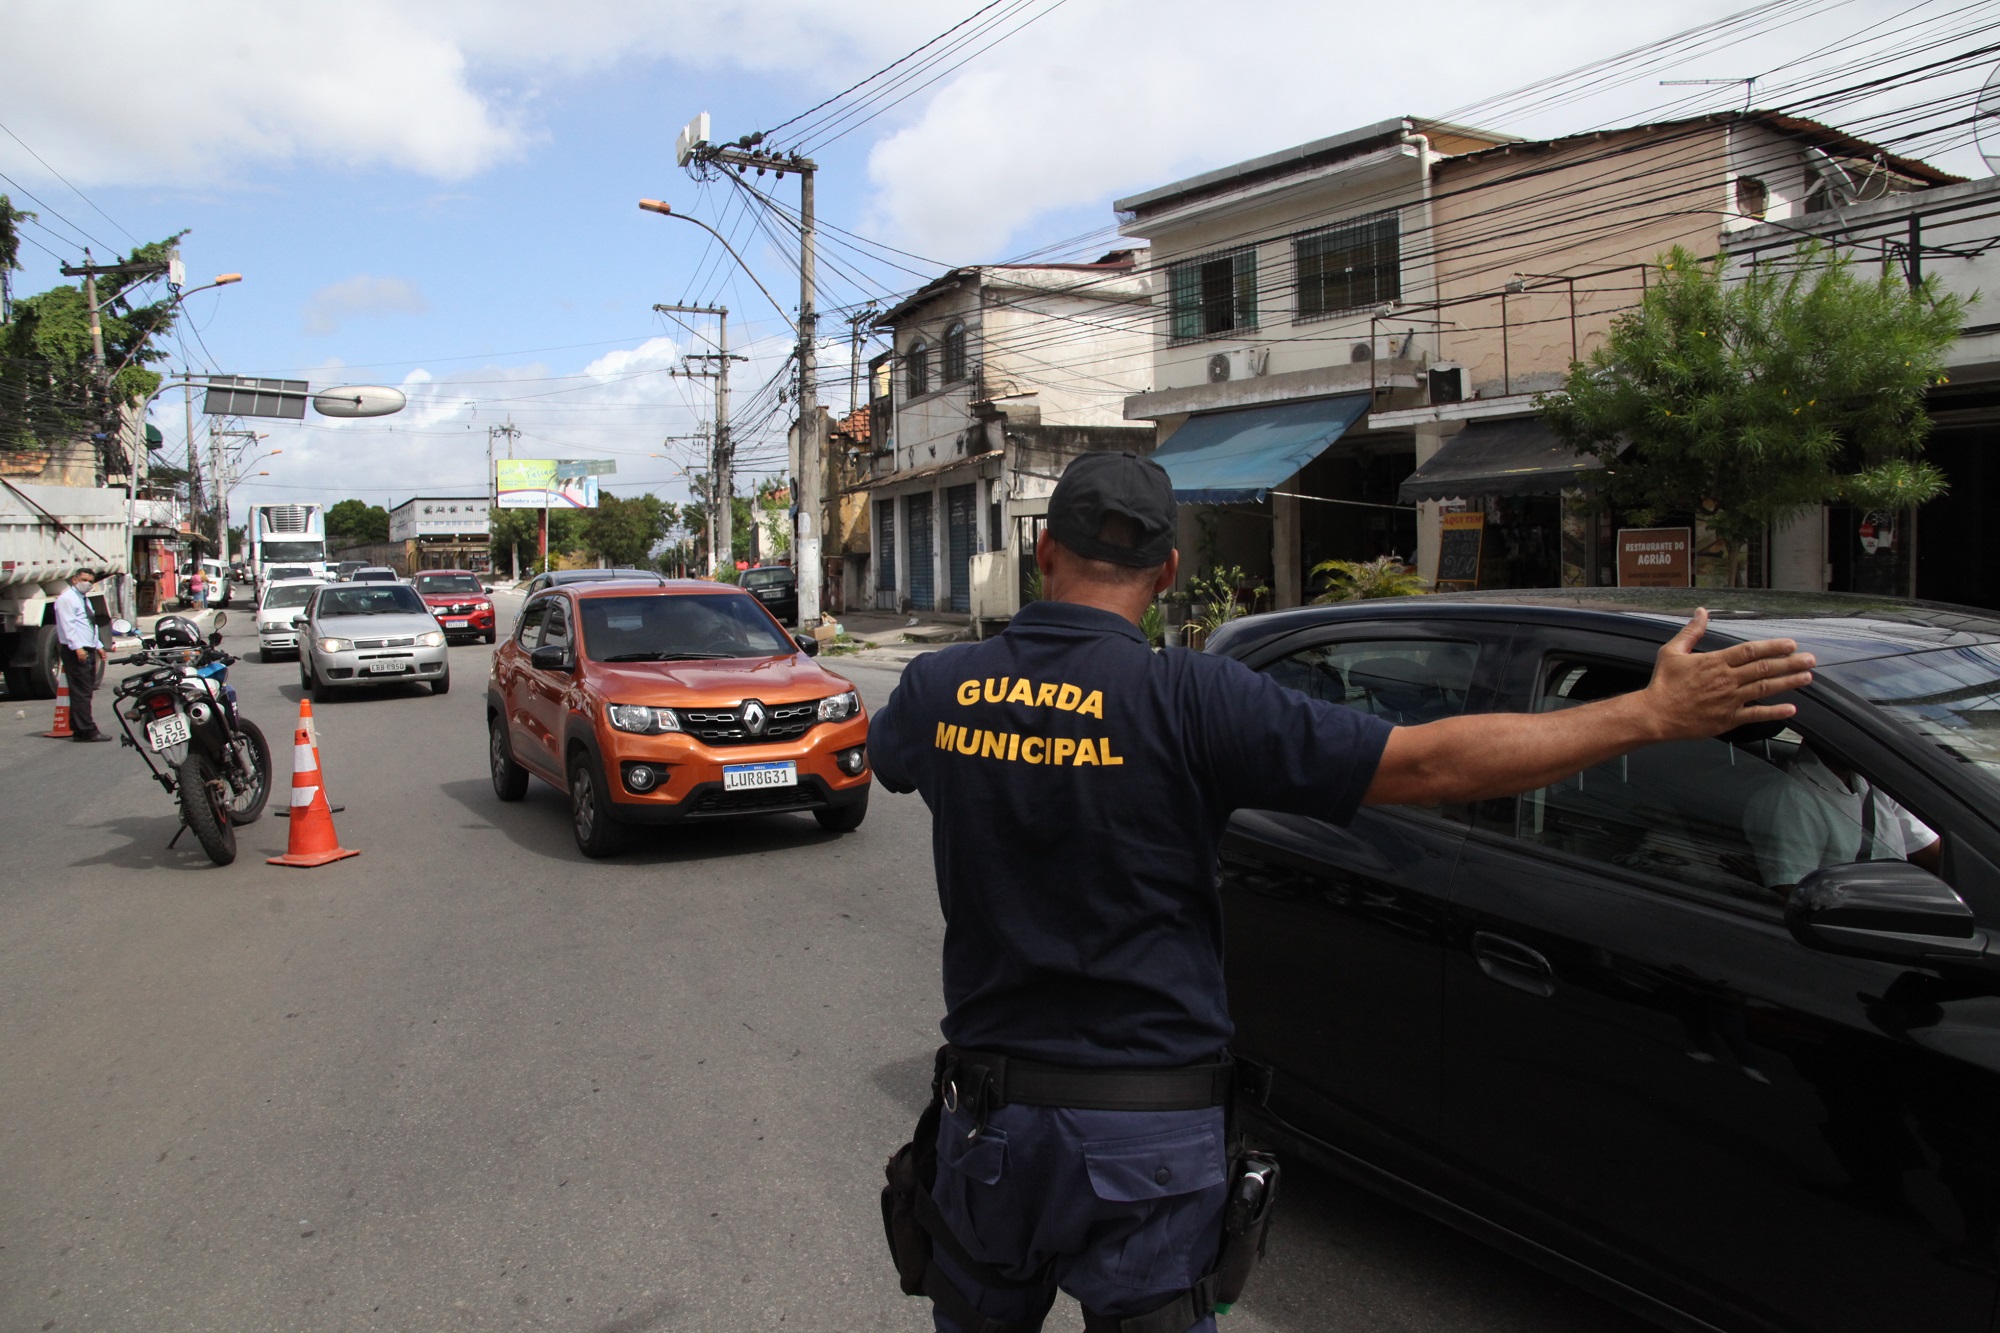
point(298, 622)
point(550, 657)
point(1891, 911)
point(807, 644)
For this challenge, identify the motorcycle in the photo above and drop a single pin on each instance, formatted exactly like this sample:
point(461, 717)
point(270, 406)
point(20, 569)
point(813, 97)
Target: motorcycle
point(180, 714)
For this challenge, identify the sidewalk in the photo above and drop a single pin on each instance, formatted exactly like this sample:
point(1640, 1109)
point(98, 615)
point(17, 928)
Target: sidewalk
point(889, 636)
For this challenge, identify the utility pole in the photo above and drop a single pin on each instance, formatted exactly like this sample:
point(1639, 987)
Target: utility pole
point(101, 386)
point(745, 154)
point(855, 336)
point(721, 481)
point(493, 484)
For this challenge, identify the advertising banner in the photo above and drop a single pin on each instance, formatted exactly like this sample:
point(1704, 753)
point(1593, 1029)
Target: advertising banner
point(543, 483)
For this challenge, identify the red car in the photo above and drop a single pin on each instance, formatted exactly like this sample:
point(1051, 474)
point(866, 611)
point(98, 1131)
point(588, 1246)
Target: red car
point(457, 599)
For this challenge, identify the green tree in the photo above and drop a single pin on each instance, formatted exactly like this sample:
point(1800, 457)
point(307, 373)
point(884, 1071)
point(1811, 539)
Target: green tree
point(509, 528)
point(357, 521)
point(774, 507)
point(624, 531)
point(49, 392)
point(1748, 400)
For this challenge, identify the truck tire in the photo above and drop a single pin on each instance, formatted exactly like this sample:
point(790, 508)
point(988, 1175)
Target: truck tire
point(41, 673)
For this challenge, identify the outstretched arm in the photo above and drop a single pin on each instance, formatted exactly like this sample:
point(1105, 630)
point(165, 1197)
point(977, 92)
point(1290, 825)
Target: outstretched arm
point(1692, 695)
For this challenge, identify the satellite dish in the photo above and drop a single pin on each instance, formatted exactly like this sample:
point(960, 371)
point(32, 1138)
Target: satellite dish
point(1986, 122)
point(359, 400)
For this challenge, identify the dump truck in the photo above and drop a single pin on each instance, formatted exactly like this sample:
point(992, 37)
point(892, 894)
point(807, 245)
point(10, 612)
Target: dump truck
point(47, 533)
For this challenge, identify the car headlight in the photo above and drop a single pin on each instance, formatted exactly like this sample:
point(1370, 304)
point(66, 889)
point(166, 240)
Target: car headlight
point(482, 606)
point(840, 707)
point(642, 718)
point(336, 645)
point(431, 638)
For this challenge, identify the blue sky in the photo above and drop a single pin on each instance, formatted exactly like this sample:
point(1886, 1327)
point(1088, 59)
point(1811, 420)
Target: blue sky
point(444, 198)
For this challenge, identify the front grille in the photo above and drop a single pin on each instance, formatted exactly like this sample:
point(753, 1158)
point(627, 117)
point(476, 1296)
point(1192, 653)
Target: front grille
point(767, 798)
point(385, 643)
point(380, 657)
point(724, 726)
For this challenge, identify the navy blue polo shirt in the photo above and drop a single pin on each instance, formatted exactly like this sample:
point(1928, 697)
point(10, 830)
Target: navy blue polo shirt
point(1079, 784)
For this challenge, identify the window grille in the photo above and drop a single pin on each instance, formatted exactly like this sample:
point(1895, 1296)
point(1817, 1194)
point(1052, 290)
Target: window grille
point(1349, 266)
point(917, 368)
point(1213, 294)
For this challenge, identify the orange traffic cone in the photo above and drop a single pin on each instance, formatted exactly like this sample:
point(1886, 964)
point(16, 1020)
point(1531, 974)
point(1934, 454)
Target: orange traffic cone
point(311, 841)
point(60, 729)
point(312, 739)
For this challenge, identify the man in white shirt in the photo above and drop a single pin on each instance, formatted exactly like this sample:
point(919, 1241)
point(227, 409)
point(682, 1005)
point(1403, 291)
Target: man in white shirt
point(82, 653)
point(1826, 815)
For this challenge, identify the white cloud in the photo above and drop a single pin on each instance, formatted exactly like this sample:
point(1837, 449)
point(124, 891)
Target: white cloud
point(334, 304)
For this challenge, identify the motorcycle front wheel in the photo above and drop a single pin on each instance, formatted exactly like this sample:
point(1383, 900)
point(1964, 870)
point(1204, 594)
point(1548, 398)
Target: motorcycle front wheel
point(205, 807)
point(247, 799)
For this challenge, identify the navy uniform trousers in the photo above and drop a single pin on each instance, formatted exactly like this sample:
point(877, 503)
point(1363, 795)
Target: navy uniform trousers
point(1125, 1207)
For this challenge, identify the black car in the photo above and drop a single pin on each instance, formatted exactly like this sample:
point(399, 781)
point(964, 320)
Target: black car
point(1597, 1024)
point(777, 587)
point(554, 578)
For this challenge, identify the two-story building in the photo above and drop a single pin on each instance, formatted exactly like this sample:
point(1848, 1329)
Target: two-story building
point(999, 375)
point(1354, 331)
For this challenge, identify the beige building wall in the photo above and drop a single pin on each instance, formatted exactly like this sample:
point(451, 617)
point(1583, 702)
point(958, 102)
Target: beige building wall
point(1540, 215)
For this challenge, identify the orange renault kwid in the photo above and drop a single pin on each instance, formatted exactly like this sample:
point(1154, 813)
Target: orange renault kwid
point(660, 701)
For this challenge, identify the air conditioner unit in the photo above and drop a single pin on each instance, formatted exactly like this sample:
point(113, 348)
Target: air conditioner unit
point(1238, 363)
point(1447, 383)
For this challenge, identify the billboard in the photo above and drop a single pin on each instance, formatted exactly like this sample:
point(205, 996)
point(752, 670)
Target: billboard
point(434, 516)
point(543, 483)
point(247, 396)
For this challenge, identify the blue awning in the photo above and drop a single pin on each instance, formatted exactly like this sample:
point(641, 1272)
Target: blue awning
point(1239, 455)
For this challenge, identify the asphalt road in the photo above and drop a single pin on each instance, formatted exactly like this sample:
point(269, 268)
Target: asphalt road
point(470, 1080)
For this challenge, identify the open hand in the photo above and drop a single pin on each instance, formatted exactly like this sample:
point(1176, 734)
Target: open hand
point(1695, 695)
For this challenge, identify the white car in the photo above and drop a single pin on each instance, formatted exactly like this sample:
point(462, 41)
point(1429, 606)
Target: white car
point(283, 599)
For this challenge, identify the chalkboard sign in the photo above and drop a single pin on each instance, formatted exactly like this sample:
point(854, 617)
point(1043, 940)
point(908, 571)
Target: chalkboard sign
point(1458, 548)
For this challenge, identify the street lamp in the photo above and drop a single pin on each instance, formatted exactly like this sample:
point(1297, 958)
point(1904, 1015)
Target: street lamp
point(665, 210)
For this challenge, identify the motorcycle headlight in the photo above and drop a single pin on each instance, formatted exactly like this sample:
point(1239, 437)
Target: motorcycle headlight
point(336, 645)
point(433, 638)
point(642, 718)
point(840, 707)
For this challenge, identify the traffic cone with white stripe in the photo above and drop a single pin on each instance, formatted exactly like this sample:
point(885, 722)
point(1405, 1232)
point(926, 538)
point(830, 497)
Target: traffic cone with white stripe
point(311, 840)
point(60, 731)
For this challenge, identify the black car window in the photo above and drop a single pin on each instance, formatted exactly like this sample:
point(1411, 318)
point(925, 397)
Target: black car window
point(679, 626)
point(555, 630)
point(1403, 681)
point(1748, 817)
point(528, 632)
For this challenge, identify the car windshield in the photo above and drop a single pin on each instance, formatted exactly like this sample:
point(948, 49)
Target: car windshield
point(678, 627)
point(297, 595)
point(293, 551)
point(276, 572)
point(352, 600)
point(436, 583)
point(1951, 696)
point(766, 578)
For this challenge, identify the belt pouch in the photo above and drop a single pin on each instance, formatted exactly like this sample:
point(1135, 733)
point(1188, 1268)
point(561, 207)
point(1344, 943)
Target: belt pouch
point(1246, 1222)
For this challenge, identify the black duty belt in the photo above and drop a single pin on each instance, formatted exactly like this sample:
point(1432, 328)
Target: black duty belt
point(986, 1079)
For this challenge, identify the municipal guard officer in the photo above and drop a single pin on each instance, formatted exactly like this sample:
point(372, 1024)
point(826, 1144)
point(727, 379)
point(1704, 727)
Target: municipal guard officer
point(1079, 784)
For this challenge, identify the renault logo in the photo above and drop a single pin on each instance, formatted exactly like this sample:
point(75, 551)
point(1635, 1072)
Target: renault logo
point(754, 718)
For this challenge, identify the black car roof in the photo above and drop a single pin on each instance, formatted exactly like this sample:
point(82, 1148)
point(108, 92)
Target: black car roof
point(1837, 627)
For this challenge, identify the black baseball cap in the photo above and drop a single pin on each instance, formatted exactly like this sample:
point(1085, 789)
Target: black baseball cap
point(1101, 484)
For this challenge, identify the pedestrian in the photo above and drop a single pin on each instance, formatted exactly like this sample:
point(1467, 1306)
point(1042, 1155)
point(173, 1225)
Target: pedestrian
point(82, 653)
point(198, 589)
point(1079, 784)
